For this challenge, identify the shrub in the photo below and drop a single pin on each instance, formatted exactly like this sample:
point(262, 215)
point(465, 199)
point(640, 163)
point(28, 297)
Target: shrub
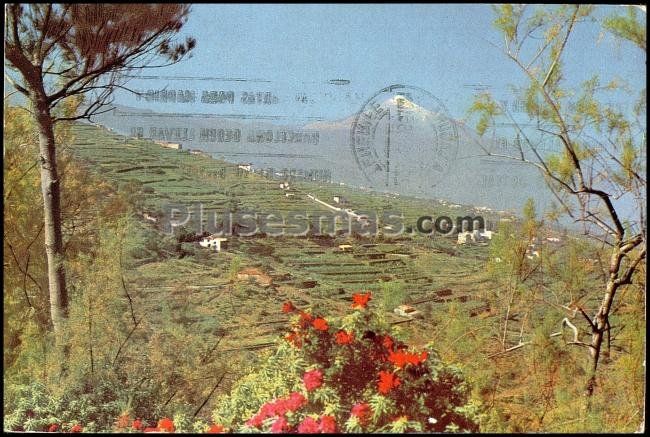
point(350, 374)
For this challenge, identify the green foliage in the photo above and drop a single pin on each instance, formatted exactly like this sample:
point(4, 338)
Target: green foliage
point(487, 109)
point(627, 27)
point(391, 295)
point(358, 363)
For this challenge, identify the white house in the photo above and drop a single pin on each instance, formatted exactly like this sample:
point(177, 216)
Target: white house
point(245, 167)
point(340, 200)
point(464, 237)
point(213, 243)
point(486, 235)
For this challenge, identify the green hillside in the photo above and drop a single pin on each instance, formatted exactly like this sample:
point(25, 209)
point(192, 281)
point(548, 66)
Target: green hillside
point(308, 271)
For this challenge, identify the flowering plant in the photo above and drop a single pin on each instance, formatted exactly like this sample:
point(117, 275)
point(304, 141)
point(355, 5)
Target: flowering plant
point(348, 374)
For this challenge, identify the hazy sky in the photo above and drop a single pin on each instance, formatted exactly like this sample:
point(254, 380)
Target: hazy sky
point(444, 49)
point(294, 50)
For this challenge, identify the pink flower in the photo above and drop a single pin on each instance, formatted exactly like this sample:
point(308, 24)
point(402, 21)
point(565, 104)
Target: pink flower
point(362, 412)
point(267, 410)
point(296, 400)
point(279, 426)
point(76, 428)
point(313, 379)
point(327, 424)
point(53, 428)
point(255, 421)
point(308, 426)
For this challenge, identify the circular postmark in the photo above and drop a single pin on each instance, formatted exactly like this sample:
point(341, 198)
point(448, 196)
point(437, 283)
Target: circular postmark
point(403, 138)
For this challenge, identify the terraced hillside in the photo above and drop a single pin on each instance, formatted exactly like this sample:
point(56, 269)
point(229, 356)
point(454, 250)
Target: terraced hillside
point(241, 315)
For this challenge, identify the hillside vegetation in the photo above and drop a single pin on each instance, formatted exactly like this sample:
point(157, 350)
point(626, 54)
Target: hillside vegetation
point(164, 328)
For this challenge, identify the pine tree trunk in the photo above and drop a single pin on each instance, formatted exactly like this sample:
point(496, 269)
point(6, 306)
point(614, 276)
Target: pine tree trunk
point(51, 190)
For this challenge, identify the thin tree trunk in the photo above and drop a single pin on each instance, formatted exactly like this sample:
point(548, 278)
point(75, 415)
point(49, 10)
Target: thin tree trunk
point(51, 190)
point(601, 320)
point(505, 324)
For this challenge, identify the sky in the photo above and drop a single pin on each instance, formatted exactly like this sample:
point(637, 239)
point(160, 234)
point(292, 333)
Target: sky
point(451, 51)
point(324, 61)
point(444, 49)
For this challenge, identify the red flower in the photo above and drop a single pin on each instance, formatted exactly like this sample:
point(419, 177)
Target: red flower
point(360, 300)
point(305, 319)
point(294, 338)
point(313, 379)
point(166, 424)
point(216, 429)
point(402, 358)
point(296, 400)
point(279, 426)
point(388, 342)
point(387, 382)
point(327, 424)
point(76, 428)
point(362, 412)
point(53, 428)
point(321, 324)
point(137, 424)
point(308, 426)
point(288, 307)
point(152, 430)
point(343, 337)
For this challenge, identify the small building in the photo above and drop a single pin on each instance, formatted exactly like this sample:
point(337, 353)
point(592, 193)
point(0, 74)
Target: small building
point(407, 311)
point(214, 243)
point(284, 186)
point(290, 195)
point(345, 247)
point(464, 237)
point(486, 235)
point(340, 200)
point(246, 166)
point(167, 144)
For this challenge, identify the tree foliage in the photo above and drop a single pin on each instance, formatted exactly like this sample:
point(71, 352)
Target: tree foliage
point(600, 166)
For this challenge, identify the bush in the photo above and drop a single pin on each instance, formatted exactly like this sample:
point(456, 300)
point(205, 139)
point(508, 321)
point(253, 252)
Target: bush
point(348, 375)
